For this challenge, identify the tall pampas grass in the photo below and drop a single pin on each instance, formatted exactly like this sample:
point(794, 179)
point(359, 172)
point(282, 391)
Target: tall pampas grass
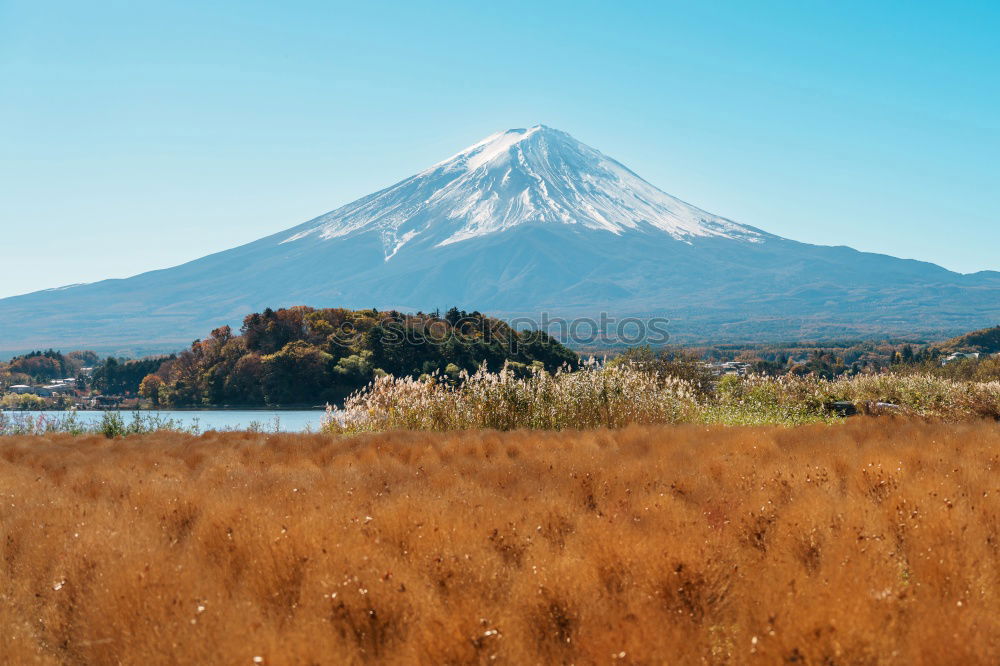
point(506, 400)
point(619, 395)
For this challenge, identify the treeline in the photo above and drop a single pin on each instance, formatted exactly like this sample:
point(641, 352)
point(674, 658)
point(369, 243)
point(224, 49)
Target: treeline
point(44, 366)
point(850, 358)
point(846, 359)
point(830, 359)
point(974, 356)
point(691, 364)
point(984, 368)
point(901, 359)
point(307, 356)
point(118, 376)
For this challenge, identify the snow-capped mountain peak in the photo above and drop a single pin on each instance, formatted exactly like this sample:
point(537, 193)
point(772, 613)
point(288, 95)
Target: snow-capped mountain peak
point(493, 146)
point(530, 176)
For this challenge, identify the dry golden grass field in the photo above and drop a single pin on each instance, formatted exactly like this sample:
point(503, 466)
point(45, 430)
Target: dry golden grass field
point(871, 542)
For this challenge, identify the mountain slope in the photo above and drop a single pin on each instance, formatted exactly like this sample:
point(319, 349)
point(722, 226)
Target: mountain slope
point(984, 341)
point(522, 222)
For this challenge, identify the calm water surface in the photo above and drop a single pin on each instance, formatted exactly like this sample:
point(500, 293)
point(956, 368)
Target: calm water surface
point(213, 419)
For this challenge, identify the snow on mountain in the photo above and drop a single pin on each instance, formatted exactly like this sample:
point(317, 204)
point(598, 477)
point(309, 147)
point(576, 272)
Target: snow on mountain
point(519, 177)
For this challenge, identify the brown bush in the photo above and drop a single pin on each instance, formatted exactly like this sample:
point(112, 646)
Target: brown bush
point(869, 542)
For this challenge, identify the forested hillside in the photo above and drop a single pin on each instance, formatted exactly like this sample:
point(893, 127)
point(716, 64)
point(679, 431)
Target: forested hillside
point(302, 355)
point(985, 341)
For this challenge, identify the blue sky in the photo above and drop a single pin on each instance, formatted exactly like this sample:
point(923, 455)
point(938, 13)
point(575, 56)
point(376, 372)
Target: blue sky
point(138, 135)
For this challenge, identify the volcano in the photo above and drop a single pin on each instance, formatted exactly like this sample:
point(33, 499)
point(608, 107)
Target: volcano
point(523, 222)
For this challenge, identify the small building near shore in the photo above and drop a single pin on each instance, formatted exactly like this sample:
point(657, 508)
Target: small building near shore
point(23, 389)
point(959, 356)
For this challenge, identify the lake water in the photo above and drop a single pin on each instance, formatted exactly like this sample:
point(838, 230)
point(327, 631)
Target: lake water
point(209, 419)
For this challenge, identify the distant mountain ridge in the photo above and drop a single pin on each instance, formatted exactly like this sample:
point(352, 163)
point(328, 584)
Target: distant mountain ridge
point(525, 221)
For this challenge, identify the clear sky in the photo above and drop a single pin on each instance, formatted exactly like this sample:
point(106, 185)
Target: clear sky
point(137, 134)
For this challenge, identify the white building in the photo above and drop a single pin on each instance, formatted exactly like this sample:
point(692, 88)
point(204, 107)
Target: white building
point(34, 390)
point(958, 356)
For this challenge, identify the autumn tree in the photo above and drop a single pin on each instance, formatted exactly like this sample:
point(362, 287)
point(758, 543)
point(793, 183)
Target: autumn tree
point(150, 387)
